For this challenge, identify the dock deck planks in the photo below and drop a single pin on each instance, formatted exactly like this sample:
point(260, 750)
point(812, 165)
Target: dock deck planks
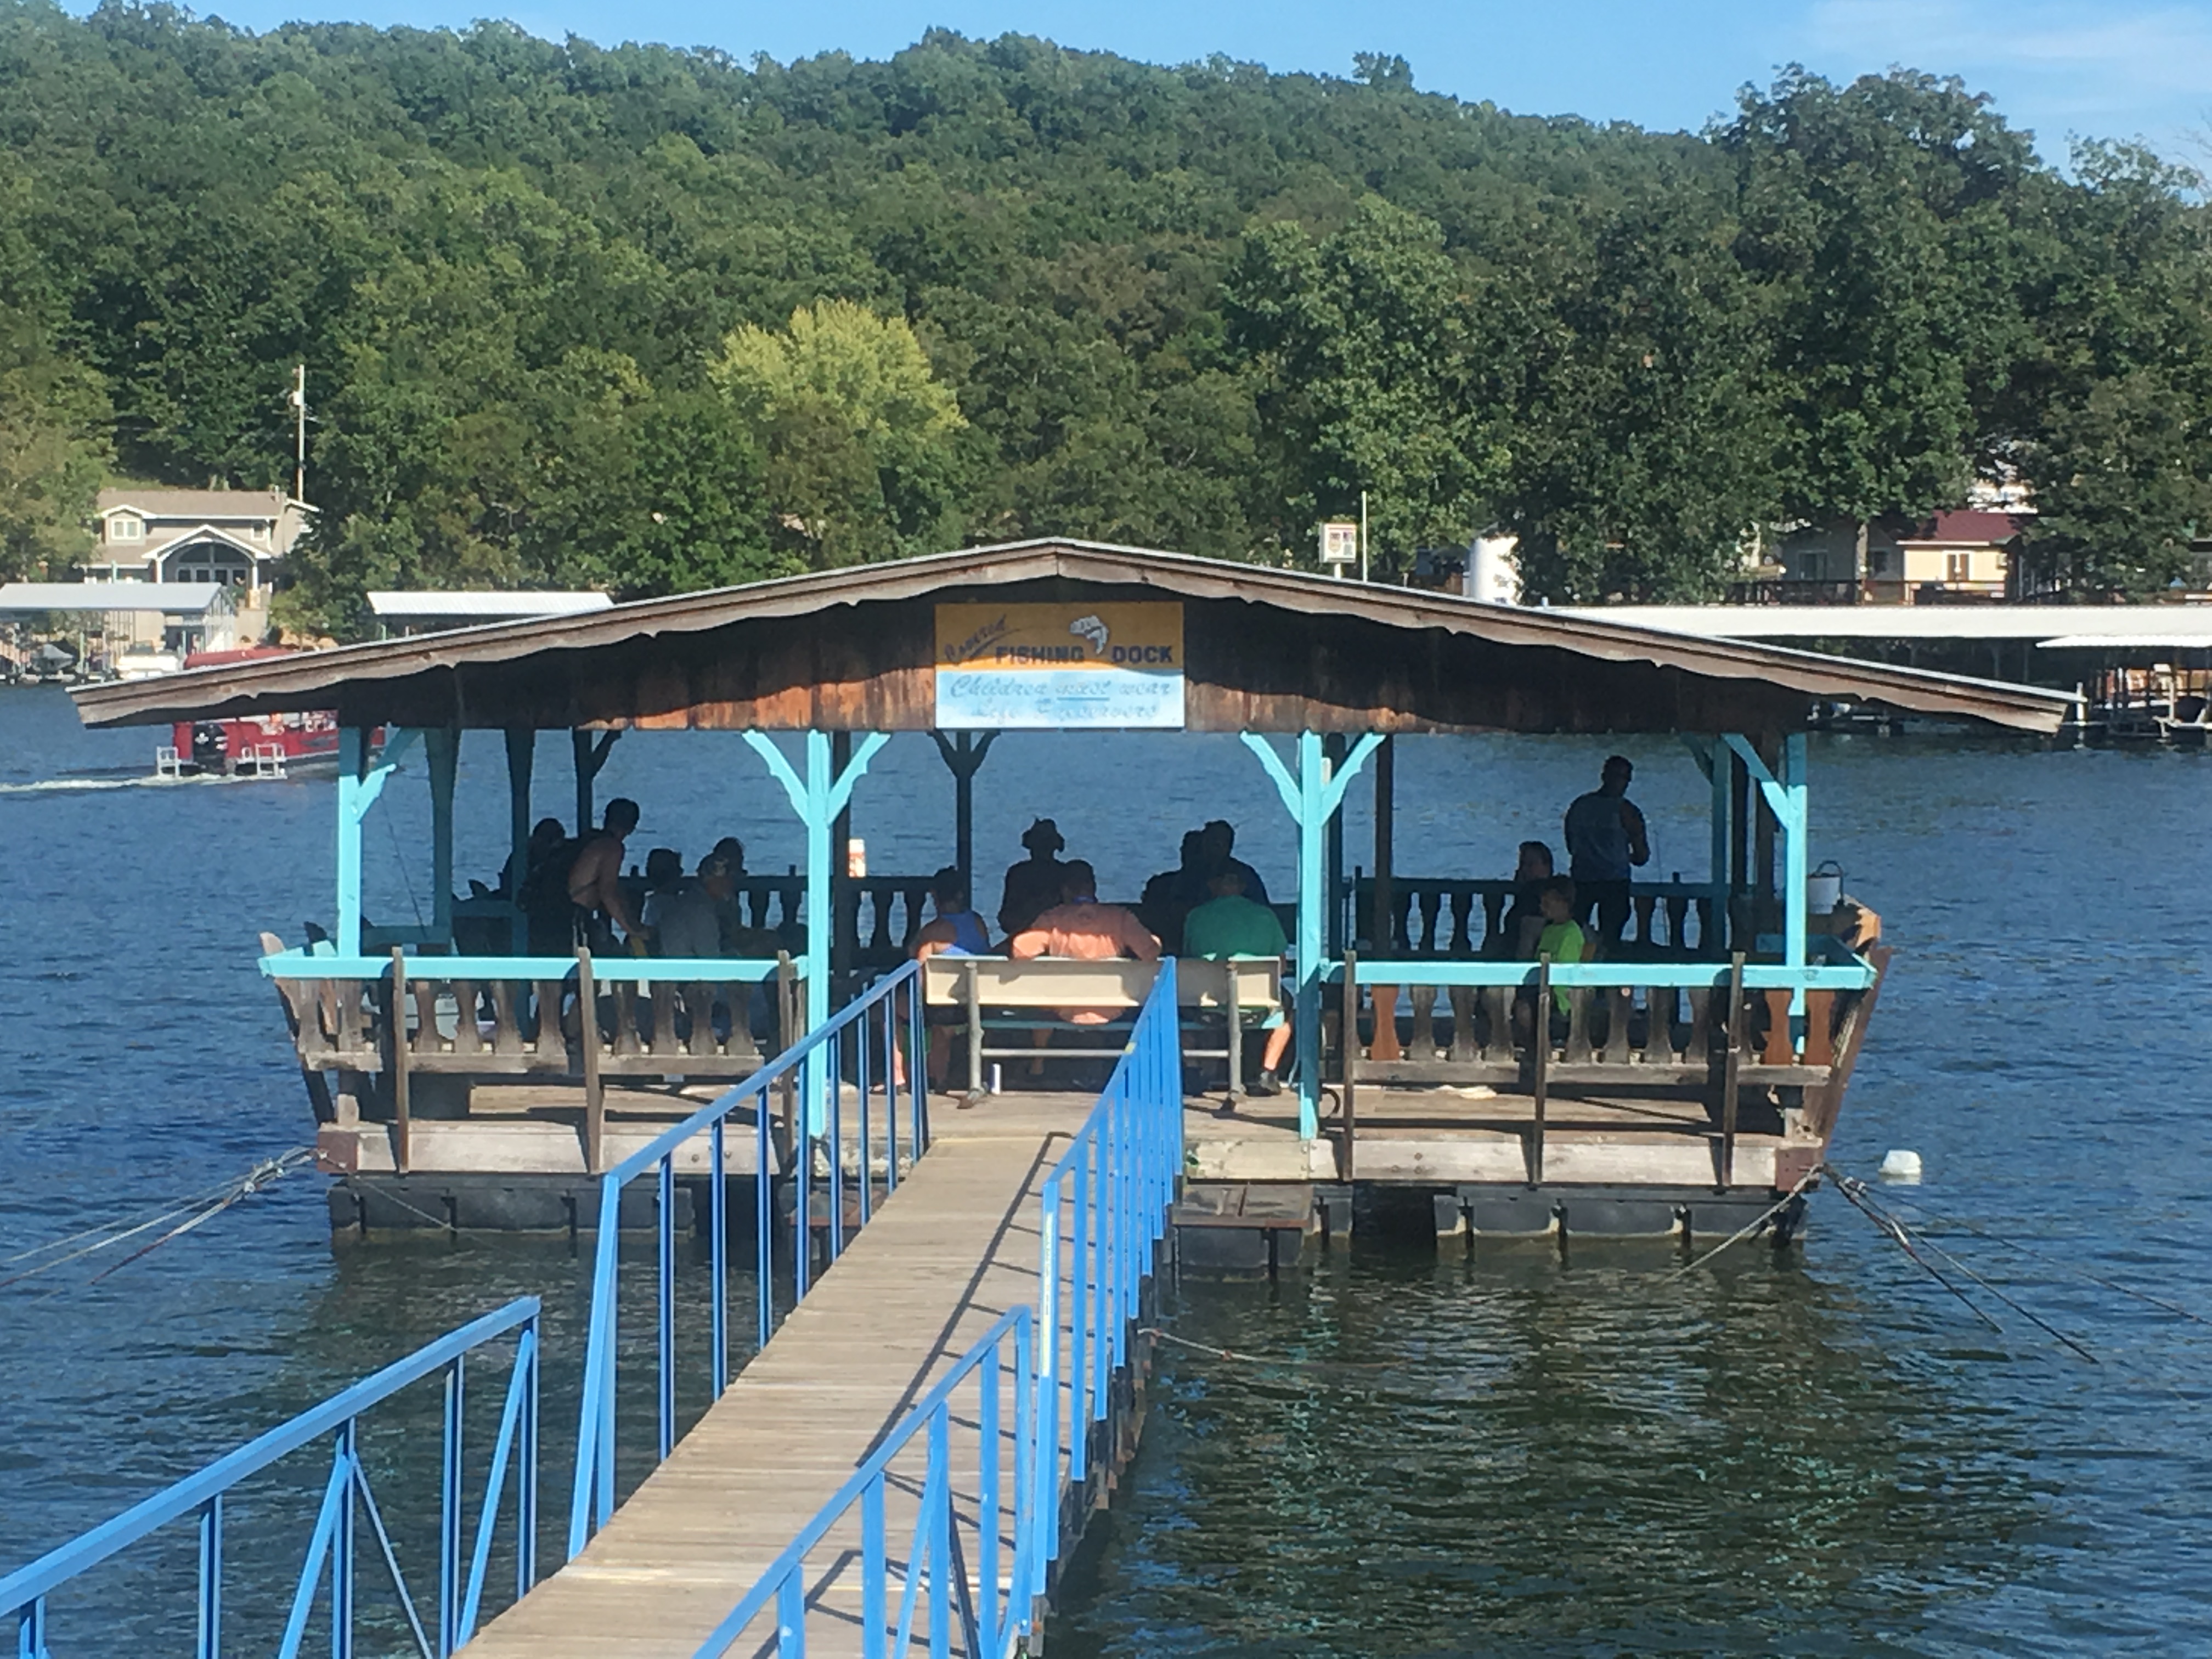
point(944, 1257)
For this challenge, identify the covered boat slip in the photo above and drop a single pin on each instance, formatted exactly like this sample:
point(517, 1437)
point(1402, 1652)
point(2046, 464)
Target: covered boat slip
point(1709, 1048)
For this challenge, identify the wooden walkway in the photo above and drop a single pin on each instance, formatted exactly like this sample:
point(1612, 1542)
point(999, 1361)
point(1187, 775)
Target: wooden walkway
point(950, 1251)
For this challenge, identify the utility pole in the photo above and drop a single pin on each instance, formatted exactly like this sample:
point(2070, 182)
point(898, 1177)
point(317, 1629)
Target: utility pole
point(300, 440)
point(1363, 535)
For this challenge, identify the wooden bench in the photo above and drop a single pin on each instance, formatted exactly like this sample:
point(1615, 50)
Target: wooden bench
point(999, 995)
point(535, 1029)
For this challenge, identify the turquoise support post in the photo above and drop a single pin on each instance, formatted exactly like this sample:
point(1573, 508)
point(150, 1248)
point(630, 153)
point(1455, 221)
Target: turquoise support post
point(353, 751)
point(443, 748)
point(817, 798)
point(1786, 798)
point(1717, 772)
point(359, 785)
point(1312, 798)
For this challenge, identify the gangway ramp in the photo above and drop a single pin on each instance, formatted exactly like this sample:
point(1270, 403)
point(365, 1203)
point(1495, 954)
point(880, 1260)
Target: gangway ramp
point(955, 1247)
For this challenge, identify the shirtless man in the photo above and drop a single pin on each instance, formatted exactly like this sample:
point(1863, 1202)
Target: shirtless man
point(595, 879)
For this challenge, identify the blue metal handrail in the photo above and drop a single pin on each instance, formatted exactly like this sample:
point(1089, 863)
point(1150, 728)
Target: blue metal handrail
point(1121, 1168)
point(460, 1586)
point(862, 1042)
point(935, 1563)
point(1111, 1190)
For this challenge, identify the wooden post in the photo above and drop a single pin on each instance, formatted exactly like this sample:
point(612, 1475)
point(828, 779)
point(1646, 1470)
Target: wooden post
point(1383, 910)
point(1334, 940)
point(1729, 1064)
point(1541, 1061)
point(353, 801)
point(963, 757)
point(591, 756)
point(1349, 1040)
point(595, 1095)
point(1739, 903)
point(844, 896)
point(521, 757)
point(1763, 916)
point(442, 747)
point(971, 980)
point(395, 1026)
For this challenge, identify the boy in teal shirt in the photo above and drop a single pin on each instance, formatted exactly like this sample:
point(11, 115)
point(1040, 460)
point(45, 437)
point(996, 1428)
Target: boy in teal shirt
point(1230, 924)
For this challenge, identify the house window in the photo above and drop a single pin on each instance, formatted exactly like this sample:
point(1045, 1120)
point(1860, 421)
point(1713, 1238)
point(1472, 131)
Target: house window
point(1878, 561)
point(125, 527)
point(1958, 566)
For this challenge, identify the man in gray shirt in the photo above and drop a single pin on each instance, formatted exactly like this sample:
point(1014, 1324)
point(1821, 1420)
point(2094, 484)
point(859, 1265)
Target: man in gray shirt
point(1606, 839)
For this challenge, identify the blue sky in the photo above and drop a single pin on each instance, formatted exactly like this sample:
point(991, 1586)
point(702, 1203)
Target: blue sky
point(2122, 68)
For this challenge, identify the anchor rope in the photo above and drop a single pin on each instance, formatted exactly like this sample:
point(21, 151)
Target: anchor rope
point(198, 1209)
point(1212, 1351)
point(1855, 1192)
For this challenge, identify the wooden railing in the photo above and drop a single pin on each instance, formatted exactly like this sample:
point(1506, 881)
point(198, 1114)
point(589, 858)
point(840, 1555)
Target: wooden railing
point(1437, 916)
point(378, 1023)
point(1710, 1028)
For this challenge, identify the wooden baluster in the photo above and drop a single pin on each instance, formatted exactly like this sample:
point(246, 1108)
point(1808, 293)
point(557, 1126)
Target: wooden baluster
point(1494, 924)
point(1433, 899)
point(879, 935)
point(467, 1040)
point(1642, 903)
point(1820, 1028)
point(1678, 919)
point(1578, 1022)
point(664, 1018)
point(1462, 1006)
point(546, 1039)
point(1382, 1002)
point(1620, 1003)
point(1698, 1051)
point(626, 1020)
point(1662, 1006)
point(1424, 1043)
point(1463, 908)
point(1781, 1049)
point(506, 1029)
point(1497, 1002)
point(1708, 937)
point(427, 1039)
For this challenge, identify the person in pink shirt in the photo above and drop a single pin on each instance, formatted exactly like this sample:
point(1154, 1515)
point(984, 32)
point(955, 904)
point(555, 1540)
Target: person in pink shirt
point(1081, 927)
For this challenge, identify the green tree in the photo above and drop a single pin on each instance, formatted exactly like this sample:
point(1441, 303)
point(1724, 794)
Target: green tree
point(861, 459)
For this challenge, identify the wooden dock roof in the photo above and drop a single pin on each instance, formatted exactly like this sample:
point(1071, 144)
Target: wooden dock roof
point(1264, 649)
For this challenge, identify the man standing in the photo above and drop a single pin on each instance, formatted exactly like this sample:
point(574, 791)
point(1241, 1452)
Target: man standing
point(595, 883)
point(1606, 839)
point(1033, 886)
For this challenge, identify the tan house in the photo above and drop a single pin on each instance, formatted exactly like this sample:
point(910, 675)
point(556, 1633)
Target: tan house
point(234, 537)
point(1954, 557)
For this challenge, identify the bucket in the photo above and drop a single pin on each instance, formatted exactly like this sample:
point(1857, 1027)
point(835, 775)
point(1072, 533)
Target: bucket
point(1824, 887)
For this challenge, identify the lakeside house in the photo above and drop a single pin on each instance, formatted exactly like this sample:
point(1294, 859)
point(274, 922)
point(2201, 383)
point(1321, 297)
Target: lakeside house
point(235, 537)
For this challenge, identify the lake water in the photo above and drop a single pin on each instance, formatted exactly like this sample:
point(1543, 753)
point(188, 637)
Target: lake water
point(1508, 1454)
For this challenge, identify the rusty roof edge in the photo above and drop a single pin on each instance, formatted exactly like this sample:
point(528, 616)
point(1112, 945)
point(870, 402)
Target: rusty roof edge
point(172, 697)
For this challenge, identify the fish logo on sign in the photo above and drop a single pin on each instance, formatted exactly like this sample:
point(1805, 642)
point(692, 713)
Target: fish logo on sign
point(1091, 629)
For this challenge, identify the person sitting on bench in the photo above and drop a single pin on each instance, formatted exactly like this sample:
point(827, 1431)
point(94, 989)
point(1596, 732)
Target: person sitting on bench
point(956, 930)
point(1229, 925)
point(1081, 927)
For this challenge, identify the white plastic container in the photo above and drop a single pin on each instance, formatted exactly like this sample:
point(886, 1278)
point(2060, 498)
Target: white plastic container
point(1900, 1165)
point(1824, 887)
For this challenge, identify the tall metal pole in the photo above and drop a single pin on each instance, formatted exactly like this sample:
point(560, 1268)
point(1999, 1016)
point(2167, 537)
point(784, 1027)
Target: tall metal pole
point(299, 441)
point(1363, 535)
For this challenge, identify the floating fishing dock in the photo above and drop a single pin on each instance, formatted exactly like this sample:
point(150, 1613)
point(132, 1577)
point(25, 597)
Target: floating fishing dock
point(951, 1293)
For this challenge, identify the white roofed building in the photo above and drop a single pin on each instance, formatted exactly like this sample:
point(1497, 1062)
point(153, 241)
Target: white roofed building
point(231, 537)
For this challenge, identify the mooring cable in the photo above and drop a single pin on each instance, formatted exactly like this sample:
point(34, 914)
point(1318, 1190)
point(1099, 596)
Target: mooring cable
point(1895, 1231)
point(200, 1208)
point(1928, 1215)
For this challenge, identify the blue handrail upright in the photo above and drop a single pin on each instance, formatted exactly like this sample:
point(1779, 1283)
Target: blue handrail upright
point(862, 1044)
point(1109, 1197)
point(346, 1496)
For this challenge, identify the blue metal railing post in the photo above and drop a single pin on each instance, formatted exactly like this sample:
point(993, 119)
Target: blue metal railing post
point(209, 1643)
point(718, 1256)
point(449, 1515)
point(664, 1303)
point(873, 1572)
point(348, 1472)
point(1047, 1497)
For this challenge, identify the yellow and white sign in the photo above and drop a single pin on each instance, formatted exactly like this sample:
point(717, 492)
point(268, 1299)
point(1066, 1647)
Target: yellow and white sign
point(1014, 667)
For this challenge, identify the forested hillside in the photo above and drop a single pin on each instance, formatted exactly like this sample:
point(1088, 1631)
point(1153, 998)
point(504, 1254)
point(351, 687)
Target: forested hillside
point(651, 320)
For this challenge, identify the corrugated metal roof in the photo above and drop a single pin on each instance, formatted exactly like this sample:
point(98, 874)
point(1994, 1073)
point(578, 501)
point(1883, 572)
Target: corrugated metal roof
point(169, 598)
point(432, 602)
point(312, 681)
point(1904, 621)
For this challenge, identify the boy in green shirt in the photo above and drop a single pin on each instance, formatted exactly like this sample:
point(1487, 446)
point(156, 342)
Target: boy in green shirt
point(1562, 940)
point(1230, 924)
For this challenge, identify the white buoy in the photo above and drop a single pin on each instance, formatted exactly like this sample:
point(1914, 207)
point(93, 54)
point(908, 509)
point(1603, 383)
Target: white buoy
point(1901, 1165)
